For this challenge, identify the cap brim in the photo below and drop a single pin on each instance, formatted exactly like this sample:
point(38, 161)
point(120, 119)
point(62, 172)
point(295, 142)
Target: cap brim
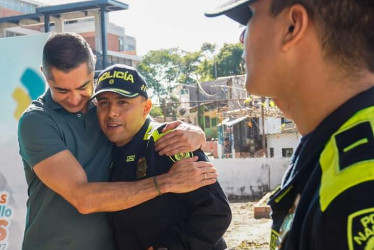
point(117, 91)
point(236, 10)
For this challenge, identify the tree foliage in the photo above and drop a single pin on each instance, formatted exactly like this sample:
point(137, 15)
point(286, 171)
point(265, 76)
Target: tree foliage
point(160, 68)
point(156, 111)
point(170, 106)
point(229, 60)
point(164, 69)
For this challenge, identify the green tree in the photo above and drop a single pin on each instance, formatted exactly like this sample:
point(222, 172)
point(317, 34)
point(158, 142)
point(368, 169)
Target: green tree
point(190, 62)
point(165, 68)
point(229, 60)
point(160, 68)
point(156, 111)
point(207, 68)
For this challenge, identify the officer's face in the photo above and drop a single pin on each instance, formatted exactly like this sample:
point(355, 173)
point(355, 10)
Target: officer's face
point(72, 89)
point(261, 50)
point(120, 118)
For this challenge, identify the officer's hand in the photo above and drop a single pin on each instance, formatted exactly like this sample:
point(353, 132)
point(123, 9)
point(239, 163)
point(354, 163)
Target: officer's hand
point(188, 175)
point(184, 138)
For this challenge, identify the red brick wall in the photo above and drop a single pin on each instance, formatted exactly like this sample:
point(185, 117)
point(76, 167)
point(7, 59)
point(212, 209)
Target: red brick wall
point(7, 12)
point(113, 43)
point(90, 38)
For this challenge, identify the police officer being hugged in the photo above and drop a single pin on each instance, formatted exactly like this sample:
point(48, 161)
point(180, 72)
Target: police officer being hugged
point(194, 220)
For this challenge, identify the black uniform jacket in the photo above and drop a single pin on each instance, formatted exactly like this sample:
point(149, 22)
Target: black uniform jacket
point(195, 220)
point(327, 195)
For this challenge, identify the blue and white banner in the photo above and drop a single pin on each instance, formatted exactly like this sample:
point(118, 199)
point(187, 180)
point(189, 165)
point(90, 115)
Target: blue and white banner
point(21, 82)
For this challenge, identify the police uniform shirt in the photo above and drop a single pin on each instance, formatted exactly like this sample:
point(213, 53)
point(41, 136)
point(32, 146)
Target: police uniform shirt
point(326, 200)
point(195, 220)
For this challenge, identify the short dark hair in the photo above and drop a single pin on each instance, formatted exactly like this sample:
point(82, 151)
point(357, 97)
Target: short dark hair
point(345, 29)
point(65, 52)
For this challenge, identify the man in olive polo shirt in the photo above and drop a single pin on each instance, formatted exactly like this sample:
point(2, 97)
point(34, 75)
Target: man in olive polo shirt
point(67, 158)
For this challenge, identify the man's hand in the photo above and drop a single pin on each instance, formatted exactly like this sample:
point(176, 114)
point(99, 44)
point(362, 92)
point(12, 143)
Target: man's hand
point(184, 138)
point(187, 175)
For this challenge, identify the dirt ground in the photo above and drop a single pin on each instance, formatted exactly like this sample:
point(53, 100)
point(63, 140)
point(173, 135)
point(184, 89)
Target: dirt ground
point(246, 232)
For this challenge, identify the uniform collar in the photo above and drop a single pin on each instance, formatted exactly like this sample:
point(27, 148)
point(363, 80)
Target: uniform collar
point(313, 144)
point(338, 117)
point(143, 130)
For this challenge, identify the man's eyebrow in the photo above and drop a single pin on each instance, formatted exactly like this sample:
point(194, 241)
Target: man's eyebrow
point(80, 87)
point(60, 89)
point(84, 84)
point(101, 98)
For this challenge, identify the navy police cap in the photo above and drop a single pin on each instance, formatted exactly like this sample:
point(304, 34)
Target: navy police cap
point(121, 79)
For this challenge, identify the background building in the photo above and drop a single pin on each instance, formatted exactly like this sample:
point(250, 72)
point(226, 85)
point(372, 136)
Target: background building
point(28, 19)
point(224, 109)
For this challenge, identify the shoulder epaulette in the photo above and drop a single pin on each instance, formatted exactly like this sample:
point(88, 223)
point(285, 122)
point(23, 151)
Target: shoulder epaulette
point(347, 159)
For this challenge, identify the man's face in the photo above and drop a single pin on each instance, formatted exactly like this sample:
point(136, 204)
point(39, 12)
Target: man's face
point(72, 90)
point(259, 41)
point(120, 118)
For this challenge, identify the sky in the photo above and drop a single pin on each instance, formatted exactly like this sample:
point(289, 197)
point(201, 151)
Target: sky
point(162, 24)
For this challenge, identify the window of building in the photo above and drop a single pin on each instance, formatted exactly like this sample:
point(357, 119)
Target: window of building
point(128, 62)
point(129, 47)
point(71, 21)
point(184, 91)
point(271, 152)
point(12, 34)
point(214, 122)
point(207, 122)
point(285, 120)
point(287, 152)
point(120, 44)
point(18, 6)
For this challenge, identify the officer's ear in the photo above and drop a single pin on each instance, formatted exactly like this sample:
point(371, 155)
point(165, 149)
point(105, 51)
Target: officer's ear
point(147, 107)
point(295, 26)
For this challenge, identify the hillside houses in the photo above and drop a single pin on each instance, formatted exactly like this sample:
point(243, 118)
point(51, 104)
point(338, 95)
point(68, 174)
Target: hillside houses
point(224, 109)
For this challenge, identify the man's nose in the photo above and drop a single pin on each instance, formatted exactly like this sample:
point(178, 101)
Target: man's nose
point(113, 111)
point(75, 98)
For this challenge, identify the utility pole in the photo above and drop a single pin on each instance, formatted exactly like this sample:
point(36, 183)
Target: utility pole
point(230, 103)
point(215, 68)
point(198, 105)
point(263, 126)
point(164, 109)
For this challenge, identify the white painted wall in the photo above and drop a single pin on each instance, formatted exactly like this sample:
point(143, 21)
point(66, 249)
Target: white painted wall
point(88, 25)
point(250, 177)
point(273, 125)
point(283, 140)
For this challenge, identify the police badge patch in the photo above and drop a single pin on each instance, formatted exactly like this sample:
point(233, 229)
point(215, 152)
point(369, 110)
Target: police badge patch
point(141, 168)
point(181, 156)
point(361, 230)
